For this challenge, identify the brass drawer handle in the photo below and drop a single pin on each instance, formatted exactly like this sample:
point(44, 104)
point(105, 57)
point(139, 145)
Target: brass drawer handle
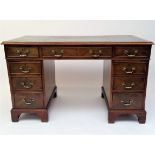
point(57, 54)
point(127, 103)
point(128, 86)
point(95, 54)
point(22, 52)
point(129, 54)
point(127, 71)
point(29, 101)
point(25, 69)
point(27, 84)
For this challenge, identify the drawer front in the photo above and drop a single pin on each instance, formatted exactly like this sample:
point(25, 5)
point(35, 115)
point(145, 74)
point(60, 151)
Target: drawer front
point(25, 68)
point(21, 52)
point(130, 52)
point(130, 68)
point(128, 101)
point(28, 100)
point(129, 83)
point(57, 52)
point(95, 52)
point(85, 52)
point(26, 83)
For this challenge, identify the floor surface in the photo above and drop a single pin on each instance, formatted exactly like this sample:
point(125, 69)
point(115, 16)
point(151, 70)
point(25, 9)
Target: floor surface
point(76, 110)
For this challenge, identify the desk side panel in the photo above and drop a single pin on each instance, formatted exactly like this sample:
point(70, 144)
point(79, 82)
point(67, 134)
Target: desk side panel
point(107, 80)
point(48, 79)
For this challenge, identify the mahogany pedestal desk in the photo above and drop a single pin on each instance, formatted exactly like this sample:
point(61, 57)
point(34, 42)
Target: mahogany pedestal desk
point(31, 70)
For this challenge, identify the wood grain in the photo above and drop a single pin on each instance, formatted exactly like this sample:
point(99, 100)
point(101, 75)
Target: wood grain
point(127, 60)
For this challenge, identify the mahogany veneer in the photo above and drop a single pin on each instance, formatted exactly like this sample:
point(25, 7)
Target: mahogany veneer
point(31, 69)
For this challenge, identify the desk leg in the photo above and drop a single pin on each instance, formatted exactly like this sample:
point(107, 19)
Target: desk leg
point(102, 95)
point(41, 113)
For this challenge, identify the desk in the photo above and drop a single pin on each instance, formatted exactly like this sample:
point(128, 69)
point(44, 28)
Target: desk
point(31, 70)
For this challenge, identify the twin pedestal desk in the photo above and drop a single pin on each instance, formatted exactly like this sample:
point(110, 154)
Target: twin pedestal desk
point(31, 70)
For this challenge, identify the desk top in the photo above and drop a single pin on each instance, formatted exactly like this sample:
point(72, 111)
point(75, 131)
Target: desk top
point(79, 40)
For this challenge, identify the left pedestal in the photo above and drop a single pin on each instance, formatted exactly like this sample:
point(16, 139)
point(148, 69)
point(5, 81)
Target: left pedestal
point(32, 81)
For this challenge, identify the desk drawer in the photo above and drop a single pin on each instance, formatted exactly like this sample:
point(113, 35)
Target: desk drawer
point(129, 84)
point(130, 68)
point(26, 83)
point(25, 67)
point(77, 52)
point(28, 100)
point(58, 52)
point(21, 52)
point(128, 101)
point(131, 52)
point(95, 52)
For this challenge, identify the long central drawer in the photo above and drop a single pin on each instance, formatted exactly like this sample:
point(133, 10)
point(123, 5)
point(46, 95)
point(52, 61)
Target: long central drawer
point(71, 52)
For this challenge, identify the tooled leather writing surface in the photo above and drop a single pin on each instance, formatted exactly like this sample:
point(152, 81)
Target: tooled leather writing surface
point(78, 40)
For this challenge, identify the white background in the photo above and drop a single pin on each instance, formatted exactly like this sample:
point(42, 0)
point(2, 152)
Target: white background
point(78, 10)
point(79, 108)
